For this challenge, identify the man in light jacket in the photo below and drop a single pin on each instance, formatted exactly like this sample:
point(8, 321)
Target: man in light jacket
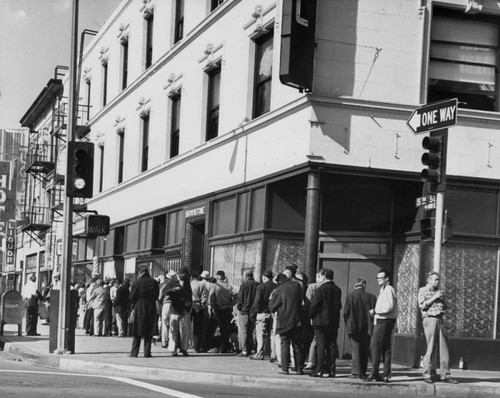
point(385, 315)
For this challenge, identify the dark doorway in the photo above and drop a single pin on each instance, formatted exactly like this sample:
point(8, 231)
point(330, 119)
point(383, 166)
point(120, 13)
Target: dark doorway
point(198, 247)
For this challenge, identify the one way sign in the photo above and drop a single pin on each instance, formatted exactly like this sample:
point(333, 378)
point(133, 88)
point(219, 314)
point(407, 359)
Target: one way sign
point(434, 116)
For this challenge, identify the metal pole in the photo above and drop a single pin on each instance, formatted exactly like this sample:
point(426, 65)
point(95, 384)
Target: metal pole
point(65, 293)
point(312, 225)
point(438, 240)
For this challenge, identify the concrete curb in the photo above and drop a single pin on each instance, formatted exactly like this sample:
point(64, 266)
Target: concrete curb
point(340, 385)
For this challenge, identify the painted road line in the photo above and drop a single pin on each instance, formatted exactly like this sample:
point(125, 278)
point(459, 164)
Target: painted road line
point(148, 386)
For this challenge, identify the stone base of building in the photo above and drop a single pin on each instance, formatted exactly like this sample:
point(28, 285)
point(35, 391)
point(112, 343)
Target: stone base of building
point(477, 354)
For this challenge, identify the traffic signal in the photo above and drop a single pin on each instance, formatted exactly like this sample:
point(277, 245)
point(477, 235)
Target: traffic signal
point(435, 160)
point(428, 227)
point(80, 169)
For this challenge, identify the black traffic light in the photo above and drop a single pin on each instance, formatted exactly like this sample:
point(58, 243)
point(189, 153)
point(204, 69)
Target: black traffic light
point(80, 169)
point(427, 228)
point(435, 160)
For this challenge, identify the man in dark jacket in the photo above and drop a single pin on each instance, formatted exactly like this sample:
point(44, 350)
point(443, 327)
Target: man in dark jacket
point(325, 315)
point(359, 326)
point(246, 297)
point(143, 297)
point(178, 288)
point(122, 305)
point(262, 314)
point(286, 300)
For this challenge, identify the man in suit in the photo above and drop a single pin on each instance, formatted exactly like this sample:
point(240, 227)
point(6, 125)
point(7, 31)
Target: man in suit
point(99, 299)
point(325, 315)
point(143, 296)
point(359, 326)
point(246, 297)
point(286, 300)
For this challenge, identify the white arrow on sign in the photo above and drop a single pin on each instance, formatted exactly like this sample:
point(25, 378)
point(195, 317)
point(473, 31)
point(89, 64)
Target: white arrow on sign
point(434, 116)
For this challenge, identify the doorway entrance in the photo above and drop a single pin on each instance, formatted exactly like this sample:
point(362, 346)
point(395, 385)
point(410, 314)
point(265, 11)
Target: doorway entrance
point(195, 245)
point(350, 261)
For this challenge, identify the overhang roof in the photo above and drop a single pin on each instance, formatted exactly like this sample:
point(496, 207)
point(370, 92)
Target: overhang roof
point(53, 89)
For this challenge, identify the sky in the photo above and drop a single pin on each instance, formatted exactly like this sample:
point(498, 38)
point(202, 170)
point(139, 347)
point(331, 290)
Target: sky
point(35, 37)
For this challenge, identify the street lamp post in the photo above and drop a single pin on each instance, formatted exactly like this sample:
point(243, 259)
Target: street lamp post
point(64, 324)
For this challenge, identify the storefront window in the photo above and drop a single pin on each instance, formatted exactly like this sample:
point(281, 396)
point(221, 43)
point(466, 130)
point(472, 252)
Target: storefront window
point(235, 259)
point(472, 211)
point(224, 217)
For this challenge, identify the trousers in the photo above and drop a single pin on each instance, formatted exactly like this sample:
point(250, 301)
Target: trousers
point(435, 336)
point(380, 346)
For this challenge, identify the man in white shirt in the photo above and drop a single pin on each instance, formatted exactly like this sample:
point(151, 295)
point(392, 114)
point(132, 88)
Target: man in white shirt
point(31, 295)
point(385, 315)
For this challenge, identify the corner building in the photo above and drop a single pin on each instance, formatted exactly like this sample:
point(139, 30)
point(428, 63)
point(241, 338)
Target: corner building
point(205, 158)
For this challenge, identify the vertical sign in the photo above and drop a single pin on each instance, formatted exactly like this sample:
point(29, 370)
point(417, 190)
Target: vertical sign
point(10, 246)
point(7, 195)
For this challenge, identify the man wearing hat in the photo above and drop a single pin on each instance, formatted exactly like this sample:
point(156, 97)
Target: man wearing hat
point(143, 296)
point(262, 314)
point(359, 326)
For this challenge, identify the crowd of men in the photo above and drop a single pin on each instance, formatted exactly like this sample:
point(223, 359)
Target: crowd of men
point(284, 318)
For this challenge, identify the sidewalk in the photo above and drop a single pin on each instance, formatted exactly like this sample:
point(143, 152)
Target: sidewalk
point(109, 356)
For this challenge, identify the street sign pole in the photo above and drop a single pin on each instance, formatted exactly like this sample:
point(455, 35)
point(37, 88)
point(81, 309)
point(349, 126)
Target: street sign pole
point(64, 324)
point(438, 239)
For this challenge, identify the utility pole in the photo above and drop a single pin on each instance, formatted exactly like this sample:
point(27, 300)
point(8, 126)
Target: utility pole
point(64, 325)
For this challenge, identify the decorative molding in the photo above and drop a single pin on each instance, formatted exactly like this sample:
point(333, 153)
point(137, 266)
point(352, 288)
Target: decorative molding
point(262, 19)
point(124, 32)
point(474, 6)
point(119, 124)
point(212, 55)
point(87, 75)
point(147, 8)
point(99, 139)
point(173, 85)
point(144, 106)
point(104, 55)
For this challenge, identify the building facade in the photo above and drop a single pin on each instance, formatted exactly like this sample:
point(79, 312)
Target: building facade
point(205, 158)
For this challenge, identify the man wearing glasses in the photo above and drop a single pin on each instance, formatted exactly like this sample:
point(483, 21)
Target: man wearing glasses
point(385, 315)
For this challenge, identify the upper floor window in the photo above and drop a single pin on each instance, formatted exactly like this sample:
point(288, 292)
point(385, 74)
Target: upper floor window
point(263, 74)
point(124, 79)
point(121, 150)
point(88, 86)
point(215, 3)
point(104, 83)
point(145, 142)
point(179, 20)
point(463, 59)
point(213, 103)
point(175, 126)
point(101, 169)
point(149, 40)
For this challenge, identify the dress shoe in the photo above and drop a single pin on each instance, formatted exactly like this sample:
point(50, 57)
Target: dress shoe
point(449, 380)
point(174, 354)
point(314, 374)
point(300, 372)
point(132, 355)
point(148, 356)
point(373, 378)
point(284, 372)
point(184, 353)
point(385, 379)
point(331, 375)
point(428, 380)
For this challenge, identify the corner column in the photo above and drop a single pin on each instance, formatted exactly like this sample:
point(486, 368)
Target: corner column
point(313, 206)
